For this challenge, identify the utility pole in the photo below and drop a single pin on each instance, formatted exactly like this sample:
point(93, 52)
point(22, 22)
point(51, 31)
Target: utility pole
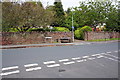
point(72, 28)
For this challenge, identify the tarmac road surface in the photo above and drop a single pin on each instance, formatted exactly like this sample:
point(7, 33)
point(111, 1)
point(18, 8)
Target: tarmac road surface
point(98, 60)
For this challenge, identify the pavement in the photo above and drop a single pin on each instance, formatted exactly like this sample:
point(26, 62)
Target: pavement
point(51, 44)
point(81, 60)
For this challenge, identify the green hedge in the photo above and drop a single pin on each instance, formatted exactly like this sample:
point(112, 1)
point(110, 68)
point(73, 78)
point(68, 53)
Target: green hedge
point(61, 29)
point(79, 33)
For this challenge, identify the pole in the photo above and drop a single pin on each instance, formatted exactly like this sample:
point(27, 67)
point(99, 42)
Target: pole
point(72, 29)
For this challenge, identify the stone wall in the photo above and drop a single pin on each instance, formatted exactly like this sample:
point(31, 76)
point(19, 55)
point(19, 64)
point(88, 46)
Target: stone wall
point(17, 38)
point(101, 35)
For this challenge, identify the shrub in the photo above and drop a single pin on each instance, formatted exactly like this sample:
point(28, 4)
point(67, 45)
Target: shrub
point(61, 29)
point(13, 30)
point(79, 33)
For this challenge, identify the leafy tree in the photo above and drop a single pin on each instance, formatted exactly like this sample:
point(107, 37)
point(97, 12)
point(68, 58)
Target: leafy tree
point(59, 14)
point(7, 11)
point(0, 17)
point(93, 13)
point(25, 16)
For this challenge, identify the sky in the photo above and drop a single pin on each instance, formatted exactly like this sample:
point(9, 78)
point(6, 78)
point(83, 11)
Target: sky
point(66, 3)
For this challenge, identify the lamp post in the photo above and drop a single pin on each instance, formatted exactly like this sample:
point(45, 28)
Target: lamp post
point(72, 28)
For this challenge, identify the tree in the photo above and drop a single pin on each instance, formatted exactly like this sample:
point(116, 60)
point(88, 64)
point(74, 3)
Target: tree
point(59, 14)
point(25, 16)
point(7, 12)
point(91, 13)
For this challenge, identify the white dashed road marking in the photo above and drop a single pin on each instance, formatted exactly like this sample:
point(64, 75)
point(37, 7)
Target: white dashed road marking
point(95, 55)
point(108, 52)
point(102, 53)
point(111, 59)
point(8, 68)
point(91, 58)
point(8, 73)
point(29, 65)
point(32, 69)
point(35, 65)
point(49, 62)
point(115, 51)
point(112, 56)
point(80, 60)
point(63, 60)
point(55, 65)
point(76, 58)
point(69, 63)
point(100, 56)
point(85, 56)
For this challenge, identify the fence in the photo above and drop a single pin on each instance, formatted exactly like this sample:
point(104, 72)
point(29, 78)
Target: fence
point(13, 38)
point(101, 35)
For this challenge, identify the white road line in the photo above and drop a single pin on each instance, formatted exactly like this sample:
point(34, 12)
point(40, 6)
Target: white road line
point(111, 59)
point(76, 58)
point(7, 68)
point(102, 53)
point(115, 51)
point(91, 58)
point(8, 73)
point(69, 63)
point(100, 56)
point(32, 69)
point(29, 65)
point(108, 52)
point(63, 60)
point(80, 60)
point(85, 56)
point(55, 65)
point(95, 54)
point(49, 62)
point(113, 56)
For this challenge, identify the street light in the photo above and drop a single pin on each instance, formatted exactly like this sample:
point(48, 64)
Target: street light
point(72, 28)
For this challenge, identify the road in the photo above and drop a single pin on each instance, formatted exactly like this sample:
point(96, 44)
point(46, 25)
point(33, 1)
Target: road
point(94, 60)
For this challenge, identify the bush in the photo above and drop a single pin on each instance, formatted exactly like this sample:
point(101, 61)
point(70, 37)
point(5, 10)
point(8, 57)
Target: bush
point(13, 30)
point(61, 29)
point(79, 33)
point(39, 29)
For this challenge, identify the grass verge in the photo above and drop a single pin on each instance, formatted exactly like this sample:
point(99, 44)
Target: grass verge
point(104, 39)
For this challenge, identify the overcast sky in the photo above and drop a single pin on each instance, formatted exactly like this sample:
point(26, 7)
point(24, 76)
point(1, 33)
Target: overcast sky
point(65, 3)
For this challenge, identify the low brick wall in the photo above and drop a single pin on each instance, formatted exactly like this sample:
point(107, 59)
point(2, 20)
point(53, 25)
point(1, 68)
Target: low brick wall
point(12, 38)
point(101, 35)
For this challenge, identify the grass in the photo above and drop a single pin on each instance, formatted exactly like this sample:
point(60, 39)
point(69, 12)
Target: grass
point(104, 39)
